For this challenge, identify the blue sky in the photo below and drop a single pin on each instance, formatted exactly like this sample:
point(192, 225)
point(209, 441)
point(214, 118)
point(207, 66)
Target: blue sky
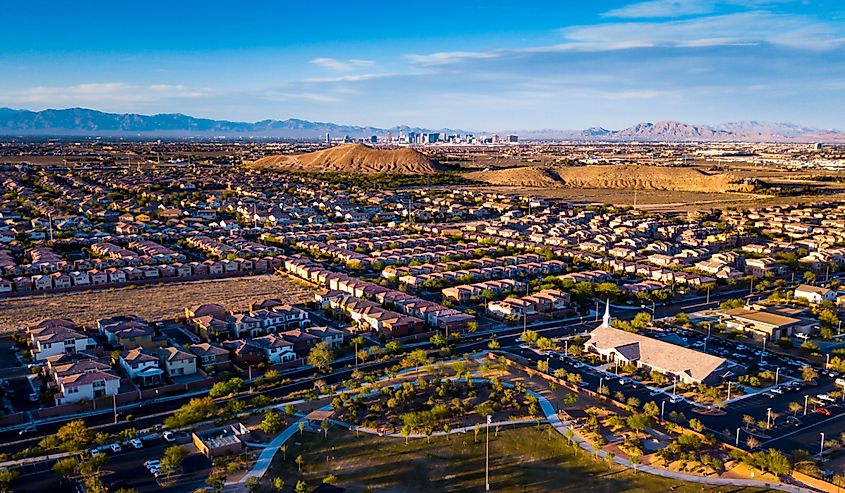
point(490, 65)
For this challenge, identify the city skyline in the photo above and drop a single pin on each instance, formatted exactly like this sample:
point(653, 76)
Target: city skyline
point(608, 64)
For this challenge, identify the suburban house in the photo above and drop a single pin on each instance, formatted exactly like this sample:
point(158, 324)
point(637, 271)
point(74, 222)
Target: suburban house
point(86, 386)
point(142, 366)
point(814, 294)
point(177, 362)
point(58, 336)
point(128, 332)
point(211, 358)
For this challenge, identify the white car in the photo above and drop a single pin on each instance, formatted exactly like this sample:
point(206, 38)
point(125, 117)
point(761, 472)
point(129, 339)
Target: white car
point(152, 464)
point(169, 436)
point(115, 448)
point(136, 442)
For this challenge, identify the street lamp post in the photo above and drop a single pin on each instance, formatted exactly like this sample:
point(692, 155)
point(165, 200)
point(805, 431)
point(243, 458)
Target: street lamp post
point(821, 448)
point(487, 465)
point(769, 418)
point(601, 383)
point(763, 352)
point(729, 391)
point(662, 408)
point(674, 383)
point(737, 437)
point(806, 399)
point(777, 375)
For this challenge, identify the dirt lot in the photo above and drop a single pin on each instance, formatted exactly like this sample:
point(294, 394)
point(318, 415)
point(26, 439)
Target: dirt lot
point(646, 199)
point(153, 302)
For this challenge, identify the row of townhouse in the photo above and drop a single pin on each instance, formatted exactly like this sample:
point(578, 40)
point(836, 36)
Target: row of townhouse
point(466, 292)
point(369, 315)
point(213, 322)
point(433, 314)
point(477, 263)
point(290, 235)
point(118, 275)
point(545, 301)
point(230, 245)
point(391, 243)
point(529, 269)
point(148, 367)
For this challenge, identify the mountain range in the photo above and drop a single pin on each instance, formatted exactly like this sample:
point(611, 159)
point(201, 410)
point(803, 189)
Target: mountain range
point(82, 122)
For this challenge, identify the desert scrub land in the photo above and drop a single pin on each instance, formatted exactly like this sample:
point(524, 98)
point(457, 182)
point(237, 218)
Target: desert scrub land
point(151, 301)
point(525, 459)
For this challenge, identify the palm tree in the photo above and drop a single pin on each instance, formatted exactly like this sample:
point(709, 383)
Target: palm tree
point(794, 407)
point(284, 449)
point(299, 462)
point(301, 428)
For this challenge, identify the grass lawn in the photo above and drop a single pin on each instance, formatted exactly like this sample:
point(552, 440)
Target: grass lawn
point(521, 460)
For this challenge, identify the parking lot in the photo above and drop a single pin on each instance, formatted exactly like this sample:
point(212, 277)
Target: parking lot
point(126, 469)
point(786, 433)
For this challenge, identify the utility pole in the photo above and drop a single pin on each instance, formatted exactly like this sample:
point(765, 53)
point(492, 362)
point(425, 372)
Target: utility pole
point(487, 465)
point(114, 404)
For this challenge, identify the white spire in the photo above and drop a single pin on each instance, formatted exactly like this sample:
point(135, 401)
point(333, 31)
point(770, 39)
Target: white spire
point(605, 321)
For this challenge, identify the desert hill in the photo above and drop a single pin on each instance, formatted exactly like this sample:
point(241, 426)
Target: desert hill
point(355, 158)
point(629, 177)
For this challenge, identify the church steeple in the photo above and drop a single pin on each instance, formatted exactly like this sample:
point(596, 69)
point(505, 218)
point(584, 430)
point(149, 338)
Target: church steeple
point(605, 321)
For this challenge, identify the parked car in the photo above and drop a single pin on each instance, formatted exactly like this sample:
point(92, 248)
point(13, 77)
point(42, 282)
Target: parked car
point(822, 410)
point(169, 436)
point(151, 464)
point(136, 442)
point(114, 447)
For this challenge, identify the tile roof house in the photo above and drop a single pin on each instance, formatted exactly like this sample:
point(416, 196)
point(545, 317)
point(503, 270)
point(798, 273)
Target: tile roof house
point(86, 386)
point(177, 362)
point(141, 365)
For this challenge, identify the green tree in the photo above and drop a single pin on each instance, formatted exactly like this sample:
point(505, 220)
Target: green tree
point(194, 411)
point(66, 467)
point(393, 347)
point(172, 459)
point(808, 373)
point(438, 340)
point(7, 479)
point(530, 336)
point(229, 387)
point(278, 483)
point(272, 422)
point(300, 461)
point(493, 344)
point(642, 321)
point(253, 484)
point(301, 487)
point(74, 436)
point(321, 357)
point(651, 409)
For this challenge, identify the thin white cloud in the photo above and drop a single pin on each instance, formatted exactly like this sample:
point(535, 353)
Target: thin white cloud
point(341, 65)
point(744, 28)
point(682, 8)
point(108, 92)
point(664, 8)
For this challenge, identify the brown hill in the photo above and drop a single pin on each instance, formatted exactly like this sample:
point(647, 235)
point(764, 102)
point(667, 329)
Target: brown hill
point(628, 177)
point(355, 158)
